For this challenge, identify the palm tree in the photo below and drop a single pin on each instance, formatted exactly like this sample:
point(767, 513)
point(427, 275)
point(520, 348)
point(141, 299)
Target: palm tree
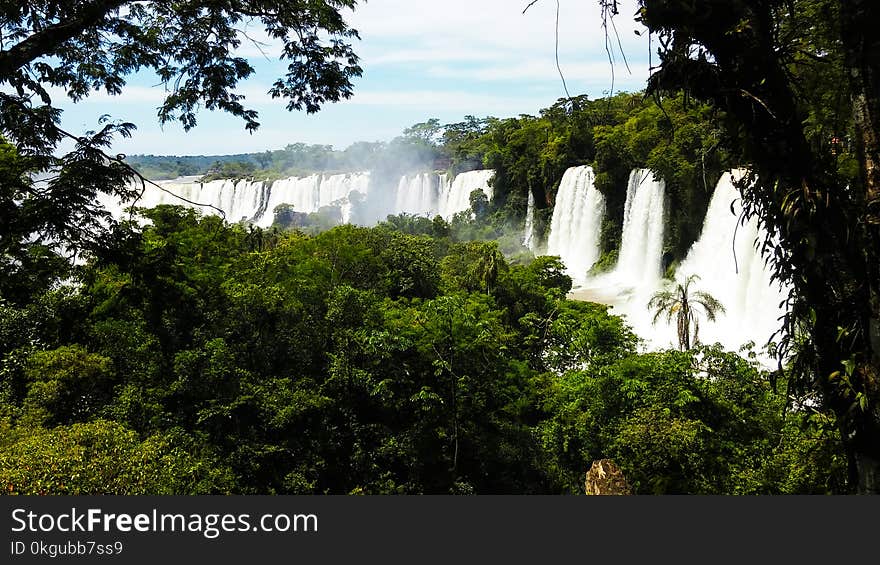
point(683, 304)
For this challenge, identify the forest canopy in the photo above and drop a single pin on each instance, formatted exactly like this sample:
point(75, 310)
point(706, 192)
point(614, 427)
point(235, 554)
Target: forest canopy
point(186, 355)
point(367, 360)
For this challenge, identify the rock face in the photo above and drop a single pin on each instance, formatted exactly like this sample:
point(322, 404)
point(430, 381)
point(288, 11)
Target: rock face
point(605, 477)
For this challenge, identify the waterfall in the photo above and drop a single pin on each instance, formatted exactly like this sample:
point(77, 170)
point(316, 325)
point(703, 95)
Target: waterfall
point(238, 200)
point(731, 268)
point(417, 194)
point(637, 274)
point(455, 196)
point(310, 193)
point(300, 193)
point(577, 222)
point(726, 257)
point(425, 194)
point(336, 190)
point(639, 262)
point(529, 230)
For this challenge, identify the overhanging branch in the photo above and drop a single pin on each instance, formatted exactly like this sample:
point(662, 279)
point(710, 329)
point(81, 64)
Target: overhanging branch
point(43, 42)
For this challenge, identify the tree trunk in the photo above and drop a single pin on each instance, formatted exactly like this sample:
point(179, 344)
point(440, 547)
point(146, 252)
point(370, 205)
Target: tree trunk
point(862, 53)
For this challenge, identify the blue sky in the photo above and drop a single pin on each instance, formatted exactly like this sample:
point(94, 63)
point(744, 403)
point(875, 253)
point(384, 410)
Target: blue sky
point(422, 59)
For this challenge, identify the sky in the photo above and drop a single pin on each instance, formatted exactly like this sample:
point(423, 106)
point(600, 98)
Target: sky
point(421, 59)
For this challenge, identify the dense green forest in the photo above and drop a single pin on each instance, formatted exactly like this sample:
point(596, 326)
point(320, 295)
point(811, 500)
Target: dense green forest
point(183, 354)
point(419, 356)
point(195, 356)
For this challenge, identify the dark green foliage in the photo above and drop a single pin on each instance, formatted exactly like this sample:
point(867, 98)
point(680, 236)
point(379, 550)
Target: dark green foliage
point(216, 358)
point(799, 86)
point(188, 355)
point(79, 48)
point(676, 139)
point(688, 423)
point(104, 457)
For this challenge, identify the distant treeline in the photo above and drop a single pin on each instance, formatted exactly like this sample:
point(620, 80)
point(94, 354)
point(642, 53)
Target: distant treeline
point(676, 138)
point(296, 159)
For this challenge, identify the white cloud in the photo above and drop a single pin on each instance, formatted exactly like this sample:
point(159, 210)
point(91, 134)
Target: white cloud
point(463, 101)
point(421, 59)
point(476, 25)
point(543, 70)
point(427, 54)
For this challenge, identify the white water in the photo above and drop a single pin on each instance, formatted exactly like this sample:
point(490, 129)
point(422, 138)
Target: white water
point(529, 229)
point(310, 193)
point(577, 222)
point(730, 267)
point(417, 194)
point(638, 272)
point(725, 257)
point(455, 196)
point(238, 200)
point(641, 247)
point(425, 194)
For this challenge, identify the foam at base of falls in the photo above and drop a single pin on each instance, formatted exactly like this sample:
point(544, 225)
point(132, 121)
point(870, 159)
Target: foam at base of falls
point(726, 260)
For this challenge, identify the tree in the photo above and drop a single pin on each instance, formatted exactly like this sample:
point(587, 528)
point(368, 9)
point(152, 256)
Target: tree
point(90, 45)
point(104, 457)
point(428, 133)
point(682, 304)
point(704, 421)
point(794, 78)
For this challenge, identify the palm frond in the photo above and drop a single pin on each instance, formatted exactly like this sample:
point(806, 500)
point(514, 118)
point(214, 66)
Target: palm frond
point(710, 304)
point(680, 303)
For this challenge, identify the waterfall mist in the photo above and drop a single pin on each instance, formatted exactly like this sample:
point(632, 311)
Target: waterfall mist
point(360, 198)
point(529, 228)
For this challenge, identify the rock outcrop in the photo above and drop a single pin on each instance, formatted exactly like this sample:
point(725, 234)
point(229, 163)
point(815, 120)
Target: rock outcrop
point(605, 477)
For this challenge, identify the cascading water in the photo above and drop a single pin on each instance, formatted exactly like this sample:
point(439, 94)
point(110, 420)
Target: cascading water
point(637, 274)
point(577, 222)
point(455, 196)
point(529, 229)
point(424, 194)
point(338, 189)
point(239, 200)
point(641, 248)
point(727, 259)
point(300, 193)
point(417, 194)
point(310, 193)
